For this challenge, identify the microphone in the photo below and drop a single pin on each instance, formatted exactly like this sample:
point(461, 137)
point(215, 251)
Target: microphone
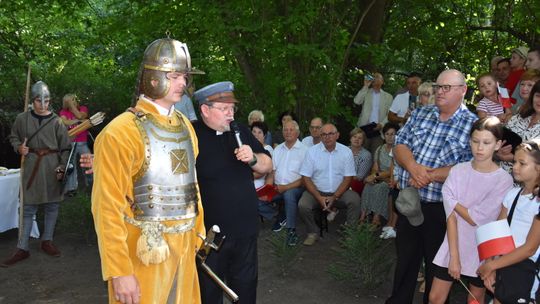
point(236, 129)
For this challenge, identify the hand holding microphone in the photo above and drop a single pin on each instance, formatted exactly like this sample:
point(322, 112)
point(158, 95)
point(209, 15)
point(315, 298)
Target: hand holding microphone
point(243, 152)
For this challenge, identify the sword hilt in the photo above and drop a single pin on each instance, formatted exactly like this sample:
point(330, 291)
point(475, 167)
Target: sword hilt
point(208, 241)
point(202, 254)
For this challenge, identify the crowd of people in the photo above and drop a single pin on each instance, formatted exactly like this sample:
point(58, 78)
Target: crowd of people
point(420, 167)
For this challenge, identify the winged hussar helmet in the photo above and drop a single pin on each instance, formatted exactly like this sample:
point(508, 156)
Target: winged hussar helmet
point(161, 57)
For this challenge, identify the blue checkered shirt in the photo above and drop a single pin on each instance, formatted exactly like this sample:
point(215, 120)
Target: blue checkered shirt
point(435, 144)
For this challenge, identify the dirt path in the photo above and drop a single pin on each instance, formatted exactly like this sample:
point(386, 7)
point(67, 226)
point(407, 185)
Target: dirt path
point(76, 278)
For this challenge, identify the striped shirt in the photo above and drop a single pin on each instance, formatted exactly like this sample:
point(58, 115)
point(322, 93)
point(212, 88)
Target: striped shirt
point(490, 107)
point(435, 144)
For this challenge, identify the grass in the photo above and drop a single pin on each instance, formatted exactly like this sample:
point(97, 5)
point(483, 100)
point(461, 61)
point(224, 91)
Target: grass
point(284, 255)
point(75, 216)
point(362, 257)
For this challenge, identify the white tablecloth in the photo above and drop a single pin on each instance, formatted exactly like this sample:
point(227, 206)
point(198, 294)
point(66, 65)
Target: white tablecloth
point(9, 204)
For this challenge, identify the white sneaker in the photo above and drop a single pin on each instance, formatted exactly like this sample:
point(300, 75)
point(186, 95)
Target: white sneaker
point(389, 234)
point(386, 228)
point(332, 215)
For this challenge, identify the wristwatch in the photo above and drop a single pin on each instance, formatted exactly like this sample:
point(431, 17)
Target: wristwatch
point(253, 162)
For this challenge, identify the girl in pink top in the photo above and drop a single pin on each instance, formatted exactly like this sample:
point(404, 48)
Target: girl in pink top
point(472, 196)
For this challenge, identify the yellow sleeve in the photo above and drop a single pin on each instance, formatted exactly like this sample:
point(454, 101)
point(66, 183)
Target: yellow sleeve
point(119, 153)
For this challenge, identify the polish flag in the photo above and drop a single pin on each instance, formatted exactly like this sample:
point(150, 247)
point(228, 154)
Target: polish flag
point(494, 238)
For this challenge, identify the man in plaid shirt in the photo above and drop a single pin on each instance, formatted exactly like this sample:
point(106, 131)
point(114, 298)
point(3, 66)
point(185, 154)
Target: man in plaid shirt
point(435, 138)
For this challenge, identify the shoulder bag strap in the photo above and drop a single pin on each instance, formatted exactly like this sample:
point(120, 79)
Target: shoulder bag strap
point(40, 128)
point(511, 213)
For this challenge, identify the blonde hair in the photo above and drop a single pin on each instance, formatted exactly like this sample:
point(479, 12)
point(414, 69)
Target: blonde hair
point(427, 87)
point(255, 113)
point(68, 98)
point(357, 131)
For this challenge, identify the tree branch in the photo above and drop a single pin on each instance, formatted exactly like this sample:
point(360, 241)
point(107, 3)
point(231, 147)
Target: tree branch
point(520, 35)
point(353, 37)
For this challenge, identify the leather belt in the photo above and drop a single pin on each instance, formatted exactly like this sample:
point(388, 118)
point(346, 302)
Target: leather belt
point(40, 153)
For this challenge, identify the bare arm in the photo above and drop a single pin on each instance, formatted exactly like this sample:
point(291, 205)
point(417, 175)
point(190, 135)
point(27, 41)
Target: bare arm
point(505, 153)
point(420, 176)
point(454, 265)
point(464, 213)
point(79, 114)
point(343, 186)
point(481, 114)
point(371, 178)
point(310, 187)
point(297, 183)
point(269, 180)
point(392, 117)
point(264, 162)
point(439, 174)
point(519, 254)
point(68, 122)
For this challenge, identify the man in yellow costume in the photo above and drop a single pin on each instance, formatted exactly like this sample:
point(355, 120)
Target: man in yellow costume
point(145, 201)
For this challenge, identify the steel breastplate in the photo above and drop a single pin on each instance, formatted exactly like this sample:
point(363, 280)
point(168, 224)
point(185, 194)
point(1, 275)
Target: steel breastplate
point(166, 186)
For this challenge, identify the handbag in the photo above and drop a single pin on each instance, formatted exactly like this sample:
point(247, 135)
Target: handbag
point(513, 283)
point(370, 131)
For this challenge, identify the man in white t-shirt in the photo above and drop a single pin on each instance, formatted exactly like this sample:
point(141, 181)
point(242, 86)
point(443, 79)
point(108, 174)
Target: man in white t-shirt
point(315, 130)
point(327, 172)
point(405, 103)
point(375, 105)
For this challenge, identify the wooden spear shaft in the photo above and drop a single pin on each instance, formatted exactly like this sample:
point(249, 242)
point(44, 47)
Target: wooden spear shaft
point(21, 184)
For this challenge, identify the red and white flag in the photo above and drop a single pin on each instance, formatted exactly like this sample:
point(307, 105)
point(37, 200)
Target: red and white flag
point(493, 239)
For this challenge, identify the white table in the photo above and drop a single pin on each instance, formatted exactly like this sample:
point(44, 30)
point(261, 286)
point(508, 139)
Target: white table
point(9, 204)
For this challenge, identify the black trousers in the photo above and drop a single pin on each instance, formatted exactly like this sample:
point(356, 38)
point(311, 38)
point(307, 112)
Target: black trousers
point(412, 245)
point(236, 264)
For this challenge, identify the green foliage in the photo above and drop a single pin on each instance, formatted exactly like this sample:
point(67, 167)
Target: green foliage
point(304, 56)
point(76, 216)
point(284, 255)
point(363, 257)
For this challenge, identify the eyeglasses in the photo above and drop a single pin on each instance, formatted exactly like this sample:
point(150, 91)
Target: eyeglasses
point(232, 109)
point(445, 87)
point(315, 127)
point(328, 134)
point(427, 94)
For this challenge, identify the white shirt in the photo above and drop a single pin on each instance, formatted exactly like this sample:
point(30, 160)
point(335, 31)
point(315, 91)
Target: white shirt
point(287, 162)
point(523, 217)
point(327, 169)
point(308, 141)
point(400, 105)
point(374, 115)
point(161, 110)
point(259, 182)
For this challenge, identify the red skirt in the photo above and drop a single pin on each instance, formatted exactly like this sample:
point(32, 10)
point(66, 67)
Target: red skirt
point(357, 186)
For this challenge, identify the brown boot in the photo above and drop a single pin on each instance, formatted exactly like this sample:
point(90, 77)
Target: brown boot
point(50, 249)
point(18, 256)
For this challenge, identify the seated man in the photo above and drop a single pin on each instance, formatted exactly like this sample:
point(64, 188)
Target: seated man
point(314, 131)
point(327, 172)
point(288, 157)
